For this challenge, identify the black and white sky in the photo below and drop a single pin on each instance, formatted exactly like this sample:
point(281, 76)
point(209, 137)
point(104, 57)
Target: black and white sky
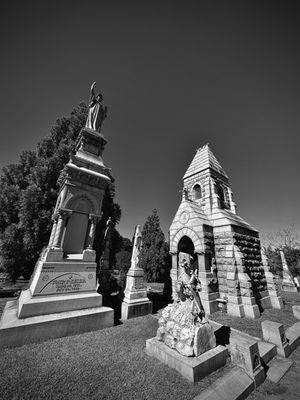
point(174, 75)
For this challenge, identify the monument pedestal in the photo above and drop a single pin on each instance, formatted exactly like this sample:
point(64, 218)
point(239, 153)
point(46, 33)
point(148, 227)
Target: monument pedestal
point(192, 368)
point(16, 331)
point(61, 301)
point(136, 309)
point(136, 302)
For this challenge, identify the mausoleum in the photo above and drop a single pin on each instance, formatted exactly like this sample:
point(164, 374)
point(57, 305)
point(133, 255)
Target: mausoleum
point(225, 248)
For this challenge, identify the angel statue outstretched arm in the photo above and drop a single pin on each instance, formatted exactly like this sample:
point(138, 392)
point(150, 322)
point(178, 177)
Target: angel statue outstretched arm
point(96, 113)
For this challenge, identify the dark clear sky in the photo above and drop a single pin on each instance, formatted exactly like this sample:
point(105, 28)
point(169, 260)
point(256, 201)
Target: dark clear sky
point(174, 75)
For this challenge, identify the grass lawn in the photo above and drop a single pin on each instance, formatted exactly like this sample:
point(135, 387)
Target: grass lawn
point(107, 364)
point(111, 363)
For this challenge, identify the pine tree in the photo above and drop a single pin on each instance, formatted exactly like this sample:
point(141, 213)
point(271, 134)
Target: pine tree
point(154, 253)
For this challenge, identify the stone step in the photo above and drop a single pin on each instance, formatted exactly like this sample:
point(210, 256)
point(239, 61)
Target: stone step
point(278, 367)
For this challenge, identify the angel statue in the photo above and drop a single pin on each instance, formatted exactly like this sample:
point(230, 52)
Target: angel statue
point(97, 113)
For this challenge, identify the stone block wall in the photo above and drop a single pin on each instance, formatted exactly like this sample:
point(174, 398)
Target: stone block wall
point(248, 243)
point(224, 261)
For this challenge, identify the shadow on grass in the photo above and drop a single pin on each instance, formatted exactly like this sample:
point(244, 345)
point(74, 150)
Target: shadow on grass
point(114, 302)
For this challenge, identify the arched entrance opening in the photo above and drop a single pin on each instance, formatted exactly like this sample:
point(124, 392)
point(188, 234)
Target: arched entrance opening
point(186, 246)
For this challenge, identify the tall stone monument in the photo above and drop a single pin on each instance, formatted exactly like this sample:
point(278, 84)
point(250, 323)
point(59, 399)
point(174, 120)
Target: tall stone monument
point(62, 299)
point(225, 248)
point(136, 302)
point(288, 283)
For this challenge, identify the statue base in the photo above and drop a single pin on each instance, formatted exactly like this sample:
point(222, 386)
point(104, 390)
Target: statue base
point(192, 368)
point(136, 309)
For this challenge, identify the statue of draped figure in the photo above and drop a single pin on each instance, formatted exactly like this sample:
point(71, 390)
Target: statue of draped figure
point(97, 113)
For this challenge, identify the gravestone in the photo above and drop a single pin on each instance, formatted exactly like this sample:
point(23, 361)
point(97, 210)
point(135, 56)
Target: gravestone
point(288, 283)
point(273, 332)
point(61, 298)
point(244, 353)
point(136, 302)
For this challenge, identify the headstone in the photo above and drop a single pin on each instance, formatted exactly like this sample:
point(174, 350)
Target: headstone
point(245, 354)
point(136, 302)
point(274, 297)
point(288, 284)
point(273, 332)
point(296, 311)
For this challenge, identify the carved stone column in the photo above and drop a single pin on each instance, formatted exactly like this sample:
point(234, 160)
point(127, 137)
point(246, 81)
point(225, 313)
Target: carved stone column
point(54, 219)
point(174, 274)
point(93, 222)
point(61, 223)
point(208, 296)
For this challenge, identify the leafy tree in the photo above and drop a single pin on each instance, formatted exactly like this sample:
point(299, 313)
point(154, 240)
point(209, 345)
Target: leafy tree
point(286, 240)
point(28, 193)
point(274, 260)
point(154, 254)
point(123, 259)
point(123, 256)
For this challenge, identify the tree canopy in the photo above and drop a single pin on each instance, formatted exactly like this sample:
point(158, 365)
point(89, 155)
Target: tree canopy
point(154, 257)
point(286, 240)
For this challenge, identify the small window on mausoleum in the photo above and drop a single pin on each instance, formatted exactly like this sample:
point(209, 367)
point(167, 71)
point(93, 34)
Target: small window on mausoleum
point(197, 191)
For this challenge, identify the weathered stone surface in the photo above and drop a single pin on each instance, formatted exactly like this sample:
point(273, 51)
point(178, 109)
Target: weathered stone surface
point(204, 339)
point(178, 330)
point(273, 332)
point(296, 311)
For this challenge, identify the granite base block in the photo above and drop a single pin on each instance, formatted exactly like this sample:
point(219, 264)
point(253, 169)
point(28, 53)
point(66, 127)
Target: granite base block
point(17, 332)
point(40, 305)
point(192, 368)
point(137, 309)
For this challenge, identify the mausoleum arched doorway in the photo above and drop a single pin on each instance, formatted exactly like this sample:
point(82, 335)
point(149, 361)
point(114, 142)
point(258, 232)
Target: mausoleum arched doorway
point(186, 251)
point(187, 243)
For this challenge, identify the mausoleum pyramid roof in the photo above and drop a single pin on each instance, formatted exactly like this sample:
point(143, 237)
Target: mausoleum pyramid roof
point(204, 159)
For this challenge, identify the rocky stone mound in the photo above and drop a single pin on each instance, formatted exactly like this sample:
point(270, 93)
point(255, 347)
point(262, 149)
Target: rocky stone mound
point(180, 328)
